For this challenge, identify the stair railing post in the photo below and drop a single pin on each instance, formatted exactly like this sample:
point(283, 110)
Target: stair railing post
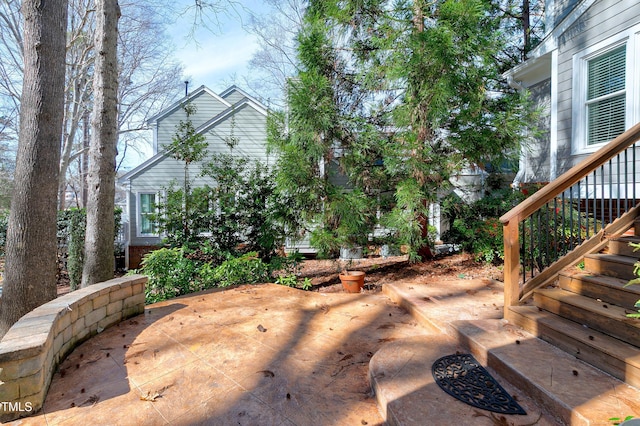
point(511, 263)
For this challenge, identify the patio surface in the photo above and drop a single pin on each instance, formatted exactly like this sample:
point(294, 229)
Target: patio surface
point(256, 355)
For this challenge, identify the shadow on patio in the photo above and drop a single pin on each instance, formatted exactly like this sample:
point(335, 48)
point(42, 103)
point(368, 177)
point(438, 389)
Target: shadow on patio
point(263, 354)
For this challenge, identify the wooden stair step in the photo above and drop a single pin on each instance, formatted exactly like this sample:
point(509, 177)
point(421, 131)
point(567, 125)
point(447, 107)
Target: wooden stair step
point(611, 355)
point(609, 319)
point(610, 264)
point(620, 246)
point(601, 287)
point(576, 392)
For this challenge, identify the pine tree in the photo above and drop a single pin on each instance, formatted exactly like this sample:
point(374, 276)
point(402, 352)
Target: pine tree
point(411, 86)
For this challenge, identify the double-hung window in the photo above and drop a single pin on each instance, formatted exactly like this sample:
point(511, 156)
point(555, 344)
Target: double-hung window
point(147, 209)
point(606, 96)
point(605, 90)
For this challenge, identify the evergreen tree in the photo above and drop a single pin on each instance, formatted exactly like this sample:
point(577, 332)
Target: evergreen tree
point(405, 94)
point(188, 146)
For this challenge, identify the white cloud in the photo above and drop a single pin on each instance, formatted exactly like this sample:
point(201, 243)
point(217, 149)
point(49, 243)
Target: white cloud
point(218, 56)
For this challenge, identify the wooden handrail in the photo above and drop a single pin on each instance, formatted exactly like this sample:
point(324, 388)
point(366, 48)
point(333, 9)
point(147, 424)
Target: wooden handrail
point(577, 172)
point(512, 219)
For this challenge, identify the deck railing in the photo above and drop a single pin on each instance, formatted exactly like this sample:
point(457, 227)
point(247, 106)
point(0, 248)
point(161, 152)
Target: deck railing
point(570, 217)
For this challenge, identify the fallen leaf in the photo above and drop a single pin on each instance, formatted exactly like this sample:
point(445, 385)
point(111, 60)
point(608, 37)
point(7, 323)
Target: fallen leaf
point(152, 396)
point(93, 400)
point(386, 326)
point(324, 308)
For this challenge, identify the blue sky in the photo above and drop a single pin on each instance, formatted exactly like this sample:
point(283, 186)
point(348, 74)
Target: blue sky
point(215, 57)
point(211, 57)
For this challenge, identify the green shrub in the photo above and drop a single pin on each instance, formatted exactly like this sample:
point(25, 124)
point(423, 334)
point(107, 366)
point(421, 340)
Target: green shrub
point(287, 280)
point(75, 246)
point(176, 271)
point(246, 269)
point(170, 274)
point(476, 226)
point(552, 231)
point(242, 213)
point(71, 232)
point(287, 270)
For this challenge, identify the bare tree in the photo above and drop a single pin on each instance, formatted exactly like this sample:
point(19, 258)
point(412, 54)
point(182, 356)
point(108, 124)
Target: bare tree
point(148, 80)
point(99, 257)
point(276, 59)
point(11, 70)
point(150, 76)
point(78, 90)
point(30, 271)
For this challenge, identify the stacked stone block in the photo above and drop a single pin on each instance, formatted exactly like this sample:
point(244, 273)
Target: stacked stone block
point(40, 340)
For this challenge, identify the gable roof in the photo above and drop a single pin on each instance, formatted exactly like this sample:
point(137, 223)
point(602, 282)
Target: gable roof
point(550, 42)
point(185, 99)
point(230, 111)
point(235, 88)
point(538, 65)
point(136, 171)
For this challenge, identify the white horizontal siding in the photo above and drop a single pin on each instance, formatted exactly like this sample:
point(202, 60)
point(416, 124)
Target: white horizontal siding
point(602, 20)
point(534, 160)
point(234, 97)
point(207, 107)
point(248, 126)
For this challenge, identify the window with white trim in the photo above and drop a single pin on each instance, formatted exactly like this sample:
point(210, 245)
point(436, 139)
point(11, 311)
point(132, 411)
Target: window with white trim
point(146, 209)
point(606, 90)
point(606, 96)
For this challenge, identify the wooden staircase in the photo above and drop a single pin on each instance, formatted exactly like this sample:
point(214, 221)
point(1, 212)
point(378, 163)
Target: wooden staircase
point(585, 312)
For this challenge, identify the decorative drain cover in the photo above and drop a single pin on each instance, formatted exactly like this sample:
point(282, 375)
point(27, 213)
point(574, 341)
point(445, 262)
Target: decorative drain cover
point(462, 377)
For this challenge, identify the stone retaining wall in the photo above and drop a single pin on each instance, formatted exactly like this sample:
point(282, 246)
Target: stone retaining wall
point(40, 340)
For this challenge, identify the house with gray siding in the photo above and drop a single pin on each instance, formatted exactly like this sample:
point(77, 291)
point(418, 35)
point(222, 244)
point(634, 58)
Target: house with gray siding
point(218, 117)
point(584, 75)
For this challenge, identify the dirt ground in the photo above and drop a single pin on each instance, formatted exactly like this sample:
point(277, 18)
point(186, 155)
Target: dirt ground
point(324, 273)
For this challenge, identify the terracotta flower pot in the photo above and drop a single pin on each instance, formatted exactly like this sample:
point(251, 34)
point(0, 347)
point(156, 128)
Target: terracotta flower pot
point(352, 281)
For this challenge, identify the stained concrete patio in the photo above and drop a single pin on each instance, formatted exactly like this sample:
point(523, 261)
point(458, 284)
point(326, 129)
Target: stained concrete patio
point(263, 355)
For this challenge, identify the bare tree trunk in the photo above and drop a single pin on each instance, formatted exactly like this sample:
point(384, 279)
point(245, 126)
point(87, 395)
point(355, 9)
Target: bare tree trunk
point(84, 159)
point(74, 113)
point(30, 271)
point(526, 28)
point(99, 257)
point(424, 134)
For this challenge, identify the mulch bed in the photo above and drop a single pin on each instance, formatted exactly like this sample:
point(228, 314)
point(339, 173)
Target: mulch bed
point(324, 273)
